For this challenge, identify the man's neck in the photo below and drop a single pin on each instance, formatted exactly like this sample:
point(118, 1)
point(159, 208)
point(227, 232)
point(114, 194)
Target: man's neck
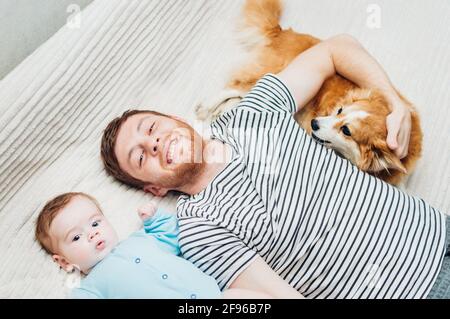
point(216, 155)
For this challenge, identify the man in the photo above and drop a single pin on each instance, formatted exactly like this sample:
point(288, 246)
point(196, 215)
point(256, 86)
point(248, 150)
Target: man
point(281, 214)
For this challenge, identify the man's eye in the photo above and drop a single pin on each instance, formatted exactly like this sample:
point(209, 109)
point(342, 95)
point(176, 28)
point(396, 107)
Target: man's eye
point(346, 130)
point(339, 111)
point(95, 224)
point(141, 158)
point(76, 238)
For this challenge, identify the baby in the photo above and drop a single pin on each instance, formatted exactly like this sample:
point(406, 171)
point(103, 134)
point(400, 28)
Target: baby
point(72, 228)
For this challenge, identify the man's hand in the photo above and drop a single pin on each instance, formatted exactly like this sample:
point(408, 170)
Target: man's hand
point(344, 55)
point(261, 279)
point(398, 125)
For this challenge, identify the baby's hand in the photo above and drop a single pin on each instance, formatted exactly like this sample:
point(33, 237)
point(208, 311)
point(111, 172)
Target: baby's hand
point(147, 211)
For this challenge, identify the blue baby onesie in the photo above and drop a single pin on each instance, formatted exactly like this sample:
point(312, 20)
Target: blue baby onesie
point(148, 265)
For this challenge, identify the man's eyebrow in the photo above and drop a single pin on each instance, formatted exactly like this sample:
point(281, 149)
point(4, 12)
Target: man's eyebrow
point(129, 154)
point(141, 121)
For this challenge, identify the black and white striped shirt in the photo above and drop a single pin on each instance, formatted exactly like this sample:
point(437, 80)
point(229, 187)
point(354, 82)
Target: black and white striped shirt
point(327, 228)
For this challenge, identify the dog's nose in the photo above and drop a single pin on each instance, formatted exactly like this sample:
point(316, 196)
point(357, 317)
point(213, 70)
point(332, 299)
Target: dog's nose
point(314, 125)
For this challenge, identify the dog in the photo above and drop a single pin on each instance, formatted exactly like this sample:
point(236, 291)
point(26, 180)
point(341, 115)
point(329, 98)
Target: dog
point(348, 119)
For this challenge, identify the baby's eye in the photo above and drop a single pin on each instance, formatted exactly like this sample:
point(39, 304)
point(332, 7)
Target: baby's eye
point(339, 111)
point(95, 224)
point(76, 238)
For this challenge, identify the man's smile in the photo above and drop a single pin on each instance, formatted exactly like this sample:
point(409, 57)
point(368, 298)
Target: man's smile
point(171, 150)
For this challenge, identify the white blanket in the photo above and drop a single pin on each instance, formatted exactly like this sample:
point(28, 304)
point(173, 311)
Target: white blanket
point(168, 56)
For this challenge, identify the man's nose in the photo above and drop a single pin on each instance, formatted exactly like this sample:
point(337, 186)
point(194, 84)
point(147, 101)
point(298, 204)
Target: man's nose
point(314, 124)
point(153, 145)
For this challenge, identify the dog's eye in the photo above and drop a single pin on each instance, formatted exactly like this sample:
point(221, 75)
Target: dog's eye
point(346, 130)
point(339, 111)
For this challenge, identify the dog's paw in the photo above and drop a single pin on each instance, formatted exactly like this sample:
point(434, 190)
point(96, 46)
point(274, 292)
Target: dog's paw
point(203, 112)
point(211, 109)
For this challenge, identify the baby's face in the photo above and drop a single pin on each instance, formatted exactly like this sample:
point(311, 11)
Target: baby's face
point(81, 235)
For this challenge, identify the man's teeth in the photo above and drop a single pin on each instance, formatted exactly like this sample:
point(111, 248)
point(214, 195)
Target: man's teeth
point(171, 151)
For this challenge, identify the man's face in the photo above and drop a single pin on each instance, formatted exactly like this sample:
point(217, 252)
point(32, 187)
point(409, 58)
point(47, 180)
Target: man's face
point(162, 151)
point(81, 234)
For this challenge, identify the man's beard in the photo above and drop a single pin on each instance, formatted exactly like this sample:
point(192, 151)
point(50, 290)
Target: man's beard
point(186, 173)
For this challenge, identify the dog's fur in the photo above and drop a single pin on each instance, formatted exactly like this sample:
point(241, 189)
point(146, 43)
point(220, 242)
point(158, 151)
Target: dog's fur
point(339, 102)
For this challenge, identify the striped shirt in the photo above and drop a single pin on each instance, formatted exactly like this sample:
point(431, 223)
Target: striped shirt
point(327, 228)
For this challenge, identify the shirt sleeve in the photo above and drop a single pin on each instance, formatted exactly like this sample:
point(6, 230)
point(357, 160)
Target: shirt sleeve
point(163, 227)
point(269, 94)
point(214, 250)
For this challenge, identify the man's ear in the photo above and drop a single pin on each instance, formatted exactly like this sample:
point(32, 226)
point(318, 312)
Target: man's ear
point(63, 263)
point(155, 190)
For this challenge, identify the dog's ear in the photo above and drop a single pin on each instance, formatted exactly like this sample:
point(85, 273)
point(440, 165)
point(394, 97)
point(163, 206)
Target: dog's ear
point(378, 157)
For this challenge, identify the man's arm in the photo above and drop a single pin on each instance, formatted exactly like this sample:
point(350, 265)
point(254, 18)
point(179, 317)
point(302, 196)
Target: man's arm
point(342, 54)
point(239, 293)
point(259, 277)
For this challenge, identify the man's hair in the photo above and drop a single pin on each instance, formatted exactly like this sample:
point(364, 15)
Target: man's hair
point(108, 145)
point(48, 214)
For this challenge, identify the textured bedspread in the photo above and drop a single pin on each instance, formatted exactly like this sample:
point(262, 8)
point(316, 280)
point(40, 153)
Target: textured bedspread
point(168, 56)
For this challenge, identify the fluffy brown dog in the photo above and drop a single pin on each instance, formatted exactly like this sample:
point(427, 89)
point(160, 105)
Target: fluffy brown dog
point(348, 119)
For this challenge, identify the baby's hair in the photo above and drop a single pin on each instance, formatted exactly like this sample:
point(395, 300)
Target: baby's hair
point(48, 214)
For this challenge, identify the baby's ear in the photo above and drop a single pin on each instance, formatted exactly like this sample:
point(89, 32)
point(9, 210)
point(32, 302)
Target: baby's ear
point(62, 262)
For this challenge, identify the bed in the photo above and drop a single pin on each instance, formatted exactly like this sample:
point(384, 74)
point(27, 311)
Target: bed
point(169, 56)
